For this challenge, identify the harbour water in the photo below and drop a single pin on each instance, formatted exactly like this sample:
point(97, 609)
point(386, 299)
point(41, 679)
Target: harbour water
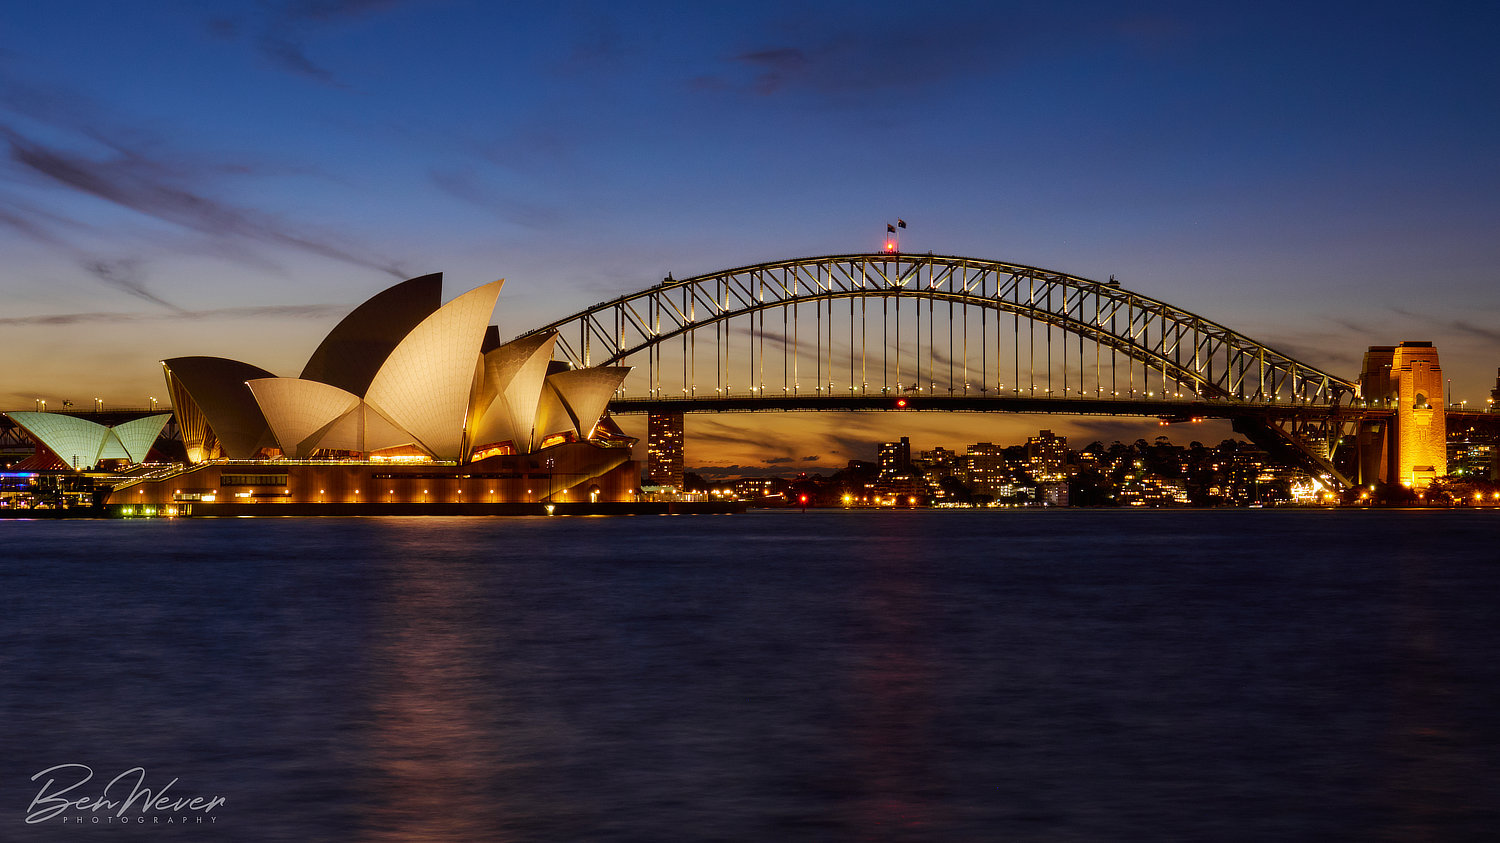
point(928, 675)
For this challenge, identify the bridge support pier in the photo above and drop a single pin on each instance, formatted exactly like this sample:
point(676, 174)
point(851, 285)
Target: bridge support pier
point(1411, 449)
point(1377, 457)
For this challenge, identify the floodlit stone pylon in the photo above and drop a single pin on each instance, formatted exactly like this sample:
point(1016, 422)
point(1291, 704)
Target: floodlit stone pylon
point(1412, 449)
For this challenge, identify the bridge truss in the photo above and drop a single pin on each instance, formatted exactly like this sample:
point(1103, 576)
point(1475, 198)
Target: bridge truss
point(819, 332)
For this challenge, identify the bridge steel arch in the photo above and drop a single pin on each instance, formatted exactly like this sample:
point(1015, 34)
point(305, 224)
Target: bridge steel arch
point(1213, 361)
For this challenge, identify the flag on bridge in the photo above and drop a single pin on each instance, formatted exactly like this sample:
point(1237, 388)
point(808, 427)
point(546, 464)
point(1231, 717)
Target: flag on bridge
point(901, 223)
point(890, 229)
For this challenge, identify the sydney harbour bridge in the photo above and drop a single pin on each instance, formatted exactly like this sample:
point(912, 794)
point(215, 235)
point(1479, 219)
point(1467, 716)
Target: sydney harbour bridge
point(904, 332)
point(899, 332)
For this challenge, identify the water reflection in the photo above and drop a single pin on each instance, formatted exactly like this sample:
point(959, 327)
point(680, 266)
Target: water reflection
point(1441, 781)
point(430, 753)
point(895, 774)
point(949, 676)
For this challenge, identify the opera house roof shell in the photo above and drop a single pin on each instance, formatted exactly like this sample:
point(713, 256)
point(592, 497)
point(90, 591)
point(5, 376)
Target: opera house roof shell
point(401, 371)
point(82, 444)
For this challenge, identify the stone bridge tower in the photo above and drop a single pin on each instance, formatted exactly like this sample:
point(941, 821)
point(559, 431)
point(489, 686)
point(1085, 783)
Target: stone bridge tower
point(1412, 447)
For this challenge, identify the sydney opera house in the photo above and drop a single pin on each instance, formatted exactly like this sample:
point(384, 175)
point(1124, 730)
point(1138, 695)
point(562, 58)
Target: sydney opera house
point(408, 405)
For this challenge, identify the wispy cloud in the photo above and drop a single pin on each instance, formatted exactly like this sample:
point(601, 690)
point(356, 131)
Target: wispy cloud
point(308, 311)
point(1354, 327)
point(1318, 353)
point(27, 219)
point(776, 67)
point(280, 31)
point(875, 56)
point(468, 186)
point(726, 472)
point(149, 185)
point(334, 11)
point(1489, 335)
point(289, 54)
point(1462, 326)
point(868, 62)
point(126, 275)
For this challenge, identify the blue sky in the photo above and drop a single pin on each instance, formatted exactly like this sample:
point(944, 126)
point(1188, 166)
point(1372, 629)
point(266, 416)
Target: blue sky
point(231, 178)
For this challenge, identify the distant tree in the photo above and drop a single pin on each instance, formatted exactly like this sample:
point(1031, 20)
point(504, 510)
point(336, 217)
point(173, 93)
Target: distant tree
point(955, 490)
point(1276, 492)
point(1393, 494)
point(1090, 488)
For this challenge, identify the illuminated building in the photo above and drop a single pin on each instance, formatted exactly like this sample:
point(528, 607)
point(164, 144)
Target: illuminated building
point(985, 469)
point(1047, 457)
point(664, 446)
point(1047, 462)
point(1053, 492)
point(1250, 477)
point(1473, 460)
point(937, 468)
point(407, 403)
point(895, 457)
point(939, 457)
point(905, 486)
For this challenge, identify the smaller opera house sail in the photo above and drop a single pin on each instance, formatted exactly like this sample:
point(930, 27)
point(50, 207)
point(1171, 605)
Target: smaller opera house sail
point(84, 444)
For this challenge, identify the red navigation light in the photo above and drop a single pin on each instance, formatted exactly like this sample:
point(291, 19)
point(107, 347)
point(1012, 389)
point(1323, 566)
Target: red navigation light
point(802, 499)
point(890, 246)
point(900, 402)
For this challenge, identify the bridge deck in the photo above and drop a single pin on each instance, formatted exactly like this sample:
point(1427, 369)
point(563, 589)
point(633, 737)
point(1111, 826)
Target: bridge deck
point(988, 404)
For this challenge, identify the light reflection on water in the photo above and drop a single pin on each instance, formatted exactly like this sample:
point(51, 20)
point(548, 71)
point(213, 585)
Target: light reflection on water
point(823, 676)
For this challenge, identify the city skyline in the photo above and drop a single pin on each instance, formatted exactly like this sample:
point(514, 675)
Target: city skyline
point(1280, 170)
point(790, 468)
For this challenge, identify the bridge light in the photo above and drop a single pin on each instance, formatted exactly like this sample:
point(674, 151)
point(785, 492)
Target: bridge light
point(900, 403)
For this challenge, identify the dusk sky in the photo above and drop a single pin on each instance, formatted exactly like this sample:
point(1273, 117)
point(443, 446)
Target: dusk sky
point(230, 179)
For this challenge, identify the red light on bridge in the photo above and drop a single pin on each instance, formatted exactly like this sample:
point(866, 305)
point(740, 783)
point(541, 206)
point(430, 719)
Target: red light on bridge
point(900, 402)
point(890, 245)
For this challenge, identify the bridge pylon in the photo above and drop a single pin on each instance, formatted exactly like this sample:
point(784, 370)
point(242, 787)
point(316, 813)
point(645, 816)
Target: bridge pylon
point(1408, 446)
